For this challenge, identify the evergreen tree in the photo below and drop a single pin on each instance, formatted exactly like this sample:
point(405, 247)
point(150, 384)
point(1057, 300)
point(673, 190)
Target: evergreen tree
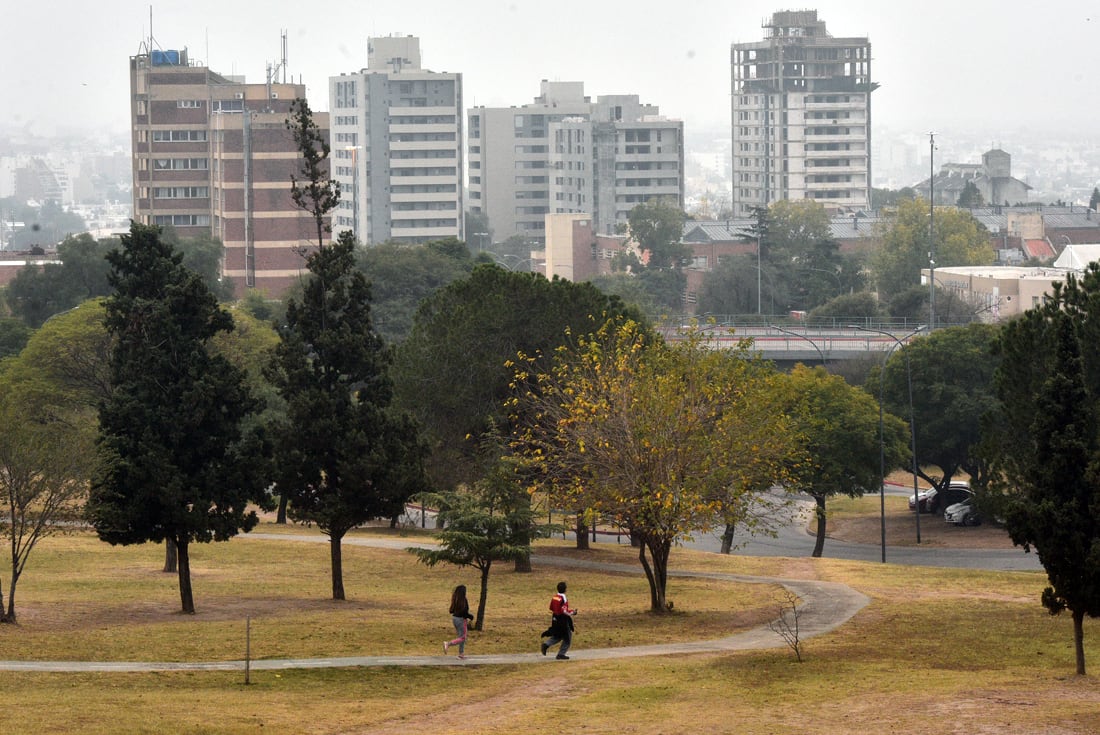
point(174, 465)
point(343, 458)
point(1044, 447)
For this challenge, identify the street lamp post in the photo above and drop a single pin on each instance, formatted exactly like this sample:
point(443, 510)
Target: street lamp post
point(881, 430)
point(813, 344)
point(931, 235)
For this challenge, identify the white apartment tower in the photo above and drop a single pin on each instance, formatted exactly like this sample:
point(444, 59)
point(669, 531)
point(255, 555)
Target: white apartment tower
point(801, 104)
point(396, 139)
point(564, 153)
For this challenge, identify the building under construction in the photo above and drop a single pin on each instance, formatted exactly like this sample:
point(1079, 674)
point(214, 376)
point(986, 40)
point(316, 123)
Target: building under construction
point(801, 104)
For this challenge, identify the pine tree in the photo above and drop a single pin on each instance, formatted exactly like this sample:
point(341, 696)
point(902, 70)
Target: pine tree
point(343, 458)
point(174, 465)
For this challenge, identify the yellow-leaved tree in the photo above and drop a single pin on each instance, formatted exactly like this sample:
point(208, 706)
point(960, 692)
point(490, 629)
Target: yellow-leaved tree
point(666, 438)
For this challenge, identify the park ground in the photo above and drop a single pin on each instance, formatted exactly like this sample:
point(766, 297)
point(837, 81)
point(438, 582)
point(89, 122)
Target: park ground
point(938, 651)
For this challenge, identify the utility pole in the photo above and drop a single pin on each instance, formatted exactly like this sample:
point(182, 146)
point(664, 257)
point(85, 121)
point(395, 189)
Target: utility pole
point(931, 232)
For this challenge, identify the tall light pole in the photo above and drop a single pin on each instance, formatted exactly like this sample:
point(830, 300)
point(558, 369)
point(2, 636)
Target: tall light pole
point(881, 429)
point(813, 344)
point(931, 234)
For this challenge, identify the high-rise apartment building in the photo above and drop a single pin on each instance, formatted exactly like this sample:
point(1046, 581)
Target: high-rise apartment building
point(801, 104)
point(212, 156)
point(565, 154)
point(396, 142)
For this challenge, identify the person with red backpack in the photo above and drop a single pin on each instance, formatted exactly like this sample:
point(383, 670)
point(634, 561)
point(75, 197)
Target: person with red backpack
point(561, 625)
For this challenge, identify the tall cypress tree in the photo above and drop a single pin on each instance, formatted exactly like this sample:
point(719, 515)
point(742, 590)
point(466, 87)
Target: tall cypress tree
point(343, 457)
point(174, 465)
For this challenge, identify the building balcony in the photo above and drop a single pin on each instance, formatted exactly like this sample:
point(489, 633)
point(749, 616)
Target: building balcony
point(395, 128)
point(422, 111)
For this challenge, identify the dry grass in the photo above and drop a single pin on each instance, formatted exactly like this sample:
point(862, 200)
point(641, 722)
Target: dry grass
point(937, 651)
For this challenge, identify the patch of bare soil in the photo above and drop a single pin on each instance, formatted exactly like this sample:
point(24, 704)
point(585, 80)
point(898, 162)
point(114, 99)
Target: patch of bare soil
point(901, 530)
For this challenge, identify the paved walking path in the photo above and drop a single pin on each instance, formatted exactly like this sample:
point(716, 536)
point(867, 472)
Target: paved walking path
point(824, 607)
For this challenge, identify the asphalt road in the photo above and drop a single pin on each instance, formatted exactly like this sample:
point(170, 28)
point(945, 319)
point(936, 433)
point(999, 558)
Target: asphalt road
point(794, 540)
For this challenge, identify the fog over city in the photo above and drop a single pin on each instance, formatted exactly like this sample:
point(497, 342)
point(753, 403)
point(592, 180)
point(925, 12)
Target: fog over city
point(978, 67)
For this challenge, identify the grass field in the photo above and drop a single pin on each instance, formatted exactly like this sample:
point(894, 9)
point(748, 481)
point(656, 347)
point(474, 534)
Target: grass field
point(937, 651)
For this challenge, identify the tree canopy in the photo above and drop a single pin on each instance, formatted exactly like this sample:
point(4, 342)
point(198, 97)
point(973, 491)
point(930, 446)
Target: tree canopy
point(661, 438)
point(658, 227)
point(451, 372)
point(959, 240)
point(838, 426)
point(952, 375)
point(174, 464)
point(402, 276)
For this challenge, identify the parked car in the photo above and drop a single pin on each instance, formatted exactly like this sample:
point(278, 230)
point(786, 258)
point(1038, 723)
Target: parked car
point(921, 499)
point(963, 513)
point(931, 500)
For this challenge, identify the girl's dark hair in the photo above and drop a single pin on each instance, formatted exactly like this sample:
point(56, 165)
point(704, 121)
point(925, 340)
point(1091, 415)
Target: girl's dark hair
point(459, 606)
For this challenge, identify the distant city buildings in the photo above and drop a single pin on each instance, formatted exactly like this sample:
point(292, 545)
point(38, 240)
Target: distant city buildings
point(801, 116)
point(212, 156)
point(564, 154)
point(992, 178)
point(397, 147)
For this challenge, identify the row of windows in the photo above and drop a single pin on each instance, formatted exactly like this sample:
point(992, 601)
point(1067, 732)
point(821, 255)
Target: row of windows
point(181, 192)
point(190, 104)
point(346, 138)
point(191, 136)
point(345, 119)
point(228, 106)
point(423, 189)
point(828, 115)
point(180, 164)
point(647, 182)
point(409, 155)
point(435, 171)
point(415, 223)
point(828, 179)
point(423, 206)
point(182, 220)
point(532, 210)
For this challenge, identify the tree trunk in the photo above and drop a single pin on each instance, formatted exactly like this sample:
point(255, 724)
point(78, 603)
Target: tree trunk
point(819, 543)
point(727, 539)
point(280, 515)
point(656, 574)
point(187, 599)
point(8, 616)
point(582, 535)
point(523, 563)
point(479, 621)
point(169, 556)
point(1079, 640)
point(337, 566)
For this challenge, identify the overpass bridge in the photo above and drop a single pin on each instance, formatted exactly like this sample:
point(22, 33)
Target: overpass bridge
point(808, 344)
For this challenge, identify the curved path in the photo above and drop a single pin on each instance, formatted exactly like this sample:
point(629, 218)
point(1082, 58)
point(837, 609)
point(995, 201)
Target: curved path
point(824, 607)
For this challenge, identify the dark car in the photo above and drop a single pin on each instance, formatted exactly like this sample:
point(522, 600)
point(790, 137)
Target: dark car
point(933, 501)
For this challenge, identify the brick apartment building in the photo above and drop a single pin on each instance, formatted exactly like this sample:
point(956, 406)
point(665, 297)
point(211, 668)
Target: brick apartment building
point(212, 156)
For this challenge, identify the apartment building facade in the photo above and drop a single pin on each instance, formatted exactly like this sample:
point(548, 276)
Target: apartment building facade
point(396, 141)
point(801, 116)
point(212, 156)
point(565, 154)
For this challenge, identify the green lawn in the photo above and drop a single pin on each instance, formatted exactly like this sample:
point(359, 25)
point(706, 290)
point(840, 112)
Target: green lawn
point(937, 651)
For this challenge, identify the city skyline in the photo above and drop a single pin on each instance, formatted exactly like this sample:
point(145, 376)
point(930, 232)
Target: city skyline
point(982, 67)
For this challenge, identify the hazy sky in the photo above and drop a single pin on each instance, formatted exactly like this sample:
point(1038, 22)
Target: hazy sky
point(990, 67)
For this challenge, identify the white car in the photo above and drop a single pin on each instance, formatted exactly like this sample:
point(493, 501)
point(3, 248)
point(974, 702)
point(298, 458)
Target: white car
point(963, 514)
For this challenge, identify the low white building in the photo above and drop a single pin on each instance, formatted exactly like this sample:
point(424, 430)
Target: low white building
point(999, 292)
